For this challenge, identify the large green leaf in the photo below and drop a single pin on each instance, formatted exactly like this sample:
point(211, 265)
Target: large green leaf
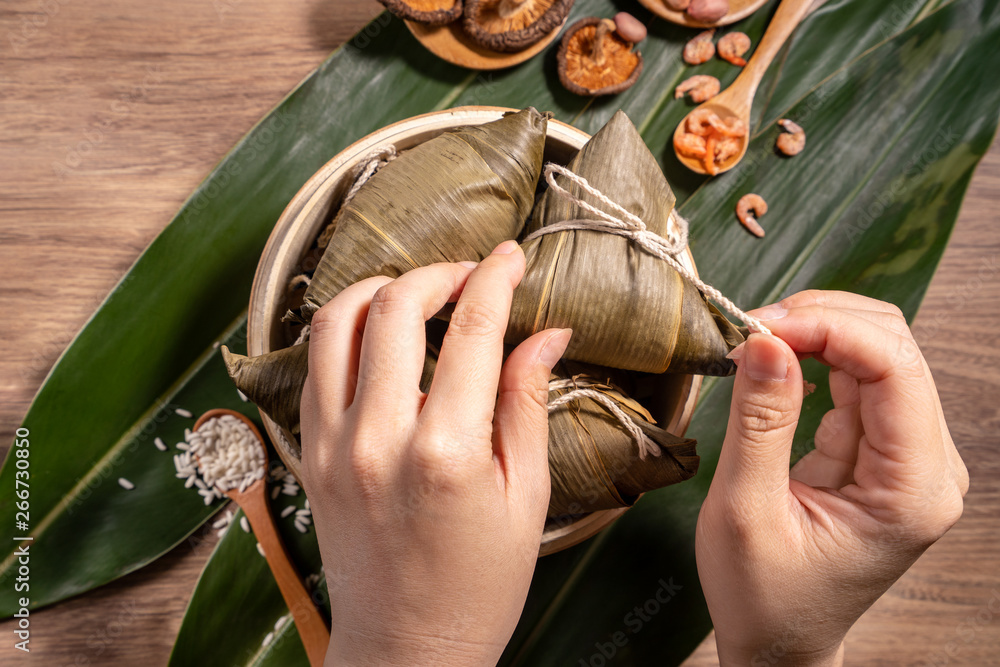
point(893, 140)
point(893, 137)
point(150, 346)
point(248, 601)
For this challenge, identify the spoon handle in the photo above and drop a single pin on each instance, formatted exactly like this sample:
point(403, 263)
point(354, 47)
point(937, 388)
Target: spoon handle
point(788, 15)
point(311, 626)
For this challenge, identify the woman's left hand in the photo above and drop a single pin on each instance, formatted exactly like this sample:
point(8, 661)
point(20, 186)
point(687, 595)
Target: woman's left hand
point(429, 508)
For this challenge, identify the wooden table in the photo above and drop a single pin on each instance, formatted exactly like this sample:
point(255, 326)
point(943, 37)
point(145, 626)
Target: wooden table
point(112, 111)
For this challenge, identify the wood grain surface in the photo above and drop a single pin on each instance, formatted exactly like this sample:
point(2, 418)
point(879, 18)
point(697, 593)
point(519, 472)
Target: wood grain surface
point(112, 111)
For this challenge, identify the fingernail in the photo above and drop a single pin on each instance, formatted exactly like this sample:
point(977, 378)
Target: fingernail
point(469, 265)
point(737, 352)
point(505, 248)
point(554, 347)
point(772, 312)
point(763, 360)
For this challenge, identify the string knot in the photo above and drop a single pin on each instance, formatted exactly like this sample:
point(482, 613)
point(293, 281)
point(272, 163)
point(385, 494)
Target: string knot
point(584, 388)
point(374, 160)
point(624, 223)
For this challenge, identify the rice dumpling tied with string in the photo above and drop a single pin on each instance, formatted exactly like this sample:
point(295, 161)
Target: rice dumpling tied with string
point(452, 198)
point(627, 308)
point(273, 382)
point(459, 195)
point(595, 462)
point(449, 199)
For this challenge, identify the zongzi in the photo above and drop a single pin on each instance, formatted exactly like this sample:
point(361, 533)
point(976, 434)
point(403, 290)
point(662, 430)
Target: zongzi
point(449, 199)
point(596, 464)
point(627, 308)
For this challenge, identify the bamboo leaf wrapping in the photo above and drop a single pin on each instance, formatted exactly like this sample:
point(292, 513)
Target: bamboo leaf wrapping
point(452, 198)
point(273, 381)
point(594, 462)
point(627, 308)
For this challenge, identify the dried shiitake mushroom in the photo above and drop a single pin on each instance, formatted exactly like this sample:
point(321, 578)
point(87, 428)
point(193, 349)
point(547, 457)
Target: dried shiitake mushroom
point(432, 12)
point(512, 25)
point(594, 58)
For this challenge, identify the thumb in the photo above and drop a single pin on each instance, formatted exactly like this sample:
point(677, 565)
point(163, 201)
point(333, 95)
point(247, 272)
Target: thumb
point(521, 421)
point(767, 399)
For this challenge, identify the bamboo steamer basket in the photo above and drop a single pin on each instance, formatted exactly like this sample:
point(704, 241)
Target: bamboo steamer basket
point(312, 208)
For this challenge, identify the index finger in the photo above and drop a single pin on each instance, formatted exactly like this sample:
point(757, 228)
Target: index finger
point(468, 369)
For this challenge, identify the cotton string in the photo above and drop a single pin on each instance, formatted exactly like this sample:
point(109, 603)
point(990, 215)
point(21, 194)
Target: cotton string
point(374, 160)
point(645, 444)
point(303, 335)
point(369, 164)
point(632, 227)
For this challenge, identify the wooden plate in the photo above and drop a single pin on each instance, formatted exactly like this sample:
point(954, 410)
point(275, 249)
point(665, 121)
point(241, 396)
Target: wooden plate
point(738, 10)
point(451, 43)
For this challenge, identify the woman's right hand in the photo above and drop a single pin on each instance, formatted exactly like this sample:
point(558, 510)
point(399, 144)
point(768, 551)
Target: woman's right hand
point(790, 560)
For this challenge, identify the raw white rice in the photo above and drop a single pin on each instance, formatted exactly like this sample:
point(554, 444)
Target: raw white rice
point(301, 527)
point(162, 446)
point(289, 485)
point(243, 397)
point(288, 510)
point(305, 514)
point(268, 638)
point(181, 412)
point(222, 524)
point(260, 550)
point(280, 623)
point(125, 484)
point(223, 454)
point(244, 524)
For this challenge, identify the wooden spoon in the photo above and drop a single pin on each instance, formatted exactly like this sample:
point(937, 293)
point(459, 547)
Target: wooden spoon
point(311, 626)
point(736, 100)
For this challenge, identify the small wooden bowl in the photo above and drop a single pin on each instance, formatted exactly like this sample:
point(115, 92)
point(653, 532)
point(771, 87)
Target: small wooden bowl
point(738, 10)
point(449, 42)
point(311, 209)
